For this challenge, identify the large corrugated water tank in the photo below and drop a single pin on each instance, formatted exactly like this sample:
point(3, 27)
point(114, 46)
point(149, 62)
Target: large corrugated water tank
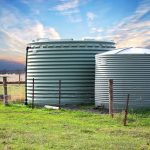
point(72, 62)
point(130, 70)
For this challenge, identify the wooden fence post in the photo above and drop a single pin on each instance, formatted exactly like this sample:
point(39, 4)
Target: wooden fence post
point(19, 78)
point(59, 94)
point(33, 93)
point(5, 91)
point(126, 111)
point(111, 97)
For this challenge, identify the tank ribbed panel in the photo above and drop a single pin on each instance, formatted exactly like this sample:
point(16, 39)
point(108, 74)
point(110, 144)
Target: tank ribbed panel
point(131, 75)
point(71, 62)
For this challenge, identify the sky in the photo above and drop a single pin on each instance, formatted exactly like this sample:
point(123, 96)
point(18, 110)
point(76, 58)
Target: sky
point(126, 22)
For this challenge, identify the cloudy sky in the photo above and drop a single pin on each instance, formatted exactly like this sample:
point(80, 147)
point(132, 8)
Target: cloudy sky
point(127, 22)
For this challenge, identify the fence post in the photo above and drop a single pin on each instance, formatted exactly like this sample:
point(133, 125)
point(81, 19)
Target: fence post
point(26, 101)
point(59, 94)
point(126, 111)
point(19, 78)
point(33, 93)
point(111, 97)
point(5, 91)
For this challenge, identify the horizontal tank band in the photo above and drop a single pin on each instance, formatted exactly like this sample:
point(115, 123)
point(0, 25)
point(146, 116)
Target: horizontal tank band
point(65, 84)
point(121, 93)
point(123, 56)
point(63, 81)
point(75, 92)
point(55, 100)
point(64, 77)
point(42, 98)
point(59, 72)
point(61, 60)
point(124, 103)
point(64, 52)
point(55, 68)
point(51, 92)
point(59, 56)
point(61, 64)
point(68, 49)
point(56, 86)
point(64, 87)
point(53, 95)
point(46, 75)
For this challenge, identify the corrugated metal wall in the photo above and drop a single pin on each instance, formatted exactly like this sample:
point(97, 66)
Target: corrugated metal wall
point(131, 75)
point(72, 62)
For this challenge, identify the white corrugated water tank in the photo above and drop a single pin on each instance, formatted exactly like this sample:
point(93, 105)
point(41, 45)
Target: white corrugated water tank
point(130, 70)
point(71, 61)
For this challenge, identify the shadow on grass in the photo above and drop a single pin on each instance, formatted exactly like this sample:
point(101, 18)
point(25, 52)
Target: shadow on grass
point(143, 112)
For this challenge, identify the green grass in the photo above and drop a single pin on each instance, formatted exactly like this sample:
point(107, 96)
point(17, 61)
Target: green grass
point(22, 128)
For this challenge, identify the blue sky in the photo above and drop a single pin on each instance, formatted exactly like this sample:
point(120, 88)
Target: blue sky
point(127, 22)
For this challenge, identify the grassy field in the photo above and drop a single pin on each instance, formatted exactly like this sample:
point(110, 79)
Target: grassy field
point(22, 128)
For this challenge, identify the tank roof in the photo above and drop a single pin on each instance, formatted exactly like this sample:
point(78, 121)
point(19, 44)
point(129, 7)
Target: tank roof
point(129, 50)
point(46, 40)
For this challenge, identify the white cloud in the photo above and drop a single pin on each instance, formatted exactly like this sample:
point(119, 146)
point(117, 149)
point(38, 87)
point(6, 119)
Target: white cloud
point(12, 48)
point(69, 9)
point(67, 5)
point(96, 30)
point(37, 30)
point(16, 33)
point(28, 2)
point(92, 38)
point(9, 21)
point(132, 31)
point(11, 42)
point(91, 16)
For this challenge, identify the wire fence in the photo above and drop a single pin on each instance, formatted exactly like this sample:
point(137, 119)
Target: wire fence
point(16, 92)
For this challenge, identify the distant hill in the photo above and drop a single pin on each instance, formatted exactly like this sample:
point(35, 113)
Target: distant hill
point(11, 66)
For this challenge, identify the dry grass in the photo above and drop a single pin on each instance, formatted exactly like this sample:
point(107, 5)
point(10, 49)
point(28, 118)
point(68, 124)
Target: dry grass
point(16, 92)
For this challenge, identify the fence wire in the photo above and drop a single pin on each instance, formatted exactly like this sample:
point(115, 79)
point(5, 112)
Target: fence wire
point(16, 92)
